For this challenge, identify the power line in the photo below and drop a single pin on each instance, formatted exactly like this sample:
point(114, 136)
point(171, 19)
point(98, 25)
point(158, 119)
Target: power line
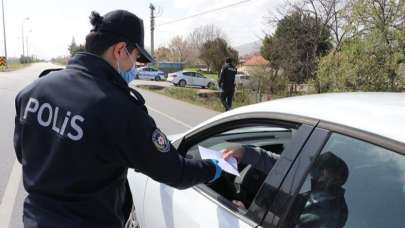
point(205, 12)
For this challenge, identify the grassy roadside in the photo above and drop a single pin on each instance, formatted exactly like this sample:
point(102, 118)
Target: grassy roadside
point(192, 96)
point(12, 66)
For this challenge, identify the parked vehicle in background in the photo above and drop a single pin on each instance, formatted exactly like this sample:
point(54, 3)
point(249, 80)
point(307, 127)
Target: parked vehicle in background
point(168, 67)
point(149, 73)
point(242, 80)
point(188, 78)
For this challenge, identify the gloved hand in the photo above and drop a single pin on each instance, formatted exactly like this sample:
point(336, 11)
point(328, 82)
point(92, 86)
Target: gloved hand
point(218, 171)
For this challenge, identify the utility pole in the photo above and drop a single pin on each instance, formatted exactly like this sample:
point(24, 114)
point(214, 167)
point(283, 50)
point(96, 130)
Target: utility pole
point(22, 38)
point(152, 28)
point(22, 33)
point(26, 45)
point(4, 30)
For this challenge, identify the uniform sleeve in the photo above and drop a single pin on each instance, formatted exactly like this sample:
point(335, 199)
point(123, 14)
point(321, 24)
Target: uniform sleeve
point(259, 158)
point(142, 146)
point(221, 77)
point(17, 132)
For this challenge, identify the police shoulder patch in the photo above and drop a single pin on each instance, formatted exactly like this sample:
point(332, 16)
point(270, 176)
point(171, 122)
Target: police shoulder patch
point(160, 140)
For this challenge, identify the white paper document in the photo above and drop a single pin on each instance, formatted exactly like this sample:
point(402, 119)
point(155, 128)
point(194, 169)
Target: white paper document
point(230, 165)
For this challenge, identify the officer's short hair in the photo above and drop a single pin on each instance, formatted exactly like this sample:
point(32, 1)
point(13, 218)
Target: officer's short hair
point(228, 60)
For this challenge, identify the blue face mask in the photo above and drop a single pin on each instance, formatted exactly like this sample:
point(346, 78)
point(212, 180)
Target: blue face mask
point(130, 74)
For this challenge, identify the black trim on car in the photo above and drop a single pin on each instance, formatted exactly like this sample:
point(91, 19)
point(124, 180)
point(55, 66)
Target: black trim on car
point(375, 139)
point(295, 178)
point(292, 183)
point(261, 115)
point(221, 126)
point(276, 119)
point(268, 193)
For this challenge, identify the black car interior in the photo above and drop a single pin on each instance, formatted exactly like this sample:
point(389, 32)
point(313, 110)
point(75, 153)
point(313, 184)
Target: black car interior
point(244, 187)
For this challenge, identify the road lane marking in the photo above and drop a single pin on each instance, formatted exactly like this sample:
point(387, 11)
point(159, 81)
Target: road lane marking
point(169, 117)
point(10, 195)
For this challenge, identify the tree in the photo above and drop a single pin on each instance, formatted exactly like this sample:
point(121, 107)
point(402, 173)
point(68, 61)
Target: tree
point(371, 59)
point(199, 36)
point(331, 14)
point(179, 49)
point(270, 51)
point(362, 64)
point(203, 34)
point(163, 54)
point(214, 52)
point(74, 48)
point(382, 16)
point(296, 46)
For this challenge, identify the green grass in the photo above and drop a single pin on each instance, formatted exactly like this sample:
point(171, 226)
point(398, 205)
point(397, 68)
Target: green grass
point(13, 65)
point(190, 95)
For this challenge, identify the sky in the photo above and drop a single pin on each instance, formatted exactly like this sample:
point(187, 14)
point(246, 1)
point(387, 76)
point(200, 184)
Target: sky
point(53, 23)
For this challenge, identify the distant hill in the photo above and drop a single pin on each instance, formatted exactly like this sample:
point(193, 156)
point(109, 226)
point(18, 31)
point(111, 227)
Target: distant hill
point(249, 48)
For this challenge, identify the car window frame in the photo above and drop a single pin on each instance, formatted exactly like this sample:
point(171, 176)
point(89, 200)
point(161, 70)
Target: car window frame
point(187, 74)
point(279, 211)
point(254, 212)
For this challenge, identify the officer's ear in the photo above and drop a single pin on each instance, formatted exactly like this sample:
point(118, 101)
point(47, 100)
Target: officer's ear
point(119, 50)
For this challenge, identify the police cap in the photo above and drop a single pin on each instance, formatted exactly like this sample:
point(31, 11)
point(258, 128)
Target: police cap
point(125, 25)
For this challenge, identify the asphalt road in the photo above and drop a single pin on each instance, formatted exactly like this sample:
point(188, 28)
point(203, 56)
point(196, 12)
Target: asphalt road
point(171, 116)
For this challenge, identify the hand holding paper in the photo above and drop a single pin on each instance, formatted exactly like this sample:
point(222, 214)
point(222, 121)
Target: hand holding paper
point(229, 166)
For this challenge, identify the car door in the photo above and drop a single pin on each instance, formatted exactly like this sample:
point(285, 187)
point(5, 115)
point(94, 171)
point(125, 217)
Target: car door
point(211, 205)
point(201, 80)
point(343, 178)
point(193, 79)
point(153, 73)
point(189, 77)
point(143, 73)
point(149, 73)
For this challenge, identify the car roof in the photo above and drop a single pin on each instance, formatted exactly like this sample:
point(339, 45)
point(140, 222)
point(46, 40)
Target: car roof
point(379, 113)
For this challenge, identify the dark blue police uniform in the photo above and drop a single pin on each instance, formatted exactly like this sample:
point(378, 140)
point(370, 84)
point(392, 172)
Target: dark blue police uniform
point(77, 131)
point(227, 83)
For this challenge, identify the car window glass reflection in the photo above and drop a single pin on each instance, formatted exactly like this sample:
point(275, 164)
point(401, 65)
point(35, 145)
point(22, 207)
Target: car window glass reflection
point(370, 194)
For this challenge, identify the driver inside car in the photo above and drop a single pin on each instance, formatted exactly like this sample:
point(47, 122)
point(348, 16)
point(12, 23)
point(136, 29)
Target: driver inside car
point(258, 163)
point(324, 206)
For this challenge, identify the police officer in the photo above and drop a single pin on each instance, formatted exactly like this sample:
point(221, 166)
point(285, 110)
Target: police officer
point(227, 83)
point(78, 130)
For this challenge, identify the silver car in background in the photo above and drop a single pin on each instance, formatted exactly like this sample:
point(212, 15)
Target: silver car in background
point(188, 78)
point(148, 73)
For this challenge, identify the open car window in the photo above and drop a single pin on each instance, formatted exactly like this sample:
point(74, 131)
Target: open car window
point(266, 141)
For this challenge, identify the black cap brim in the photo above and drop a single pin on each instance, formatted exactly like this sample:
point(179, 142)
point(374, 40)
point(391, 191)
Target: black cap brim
point(144, 57)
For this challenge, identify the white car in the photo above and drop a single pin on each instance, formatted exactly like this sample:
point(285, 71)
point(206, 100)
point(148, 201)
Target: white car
point(317, 137)
point(188, 78)
point(242, 80)
point(149, 73)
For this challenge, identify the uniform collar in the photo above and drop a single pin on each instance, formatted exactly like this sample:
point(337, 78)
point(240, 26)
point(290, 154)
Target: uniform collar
point(97, 67)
